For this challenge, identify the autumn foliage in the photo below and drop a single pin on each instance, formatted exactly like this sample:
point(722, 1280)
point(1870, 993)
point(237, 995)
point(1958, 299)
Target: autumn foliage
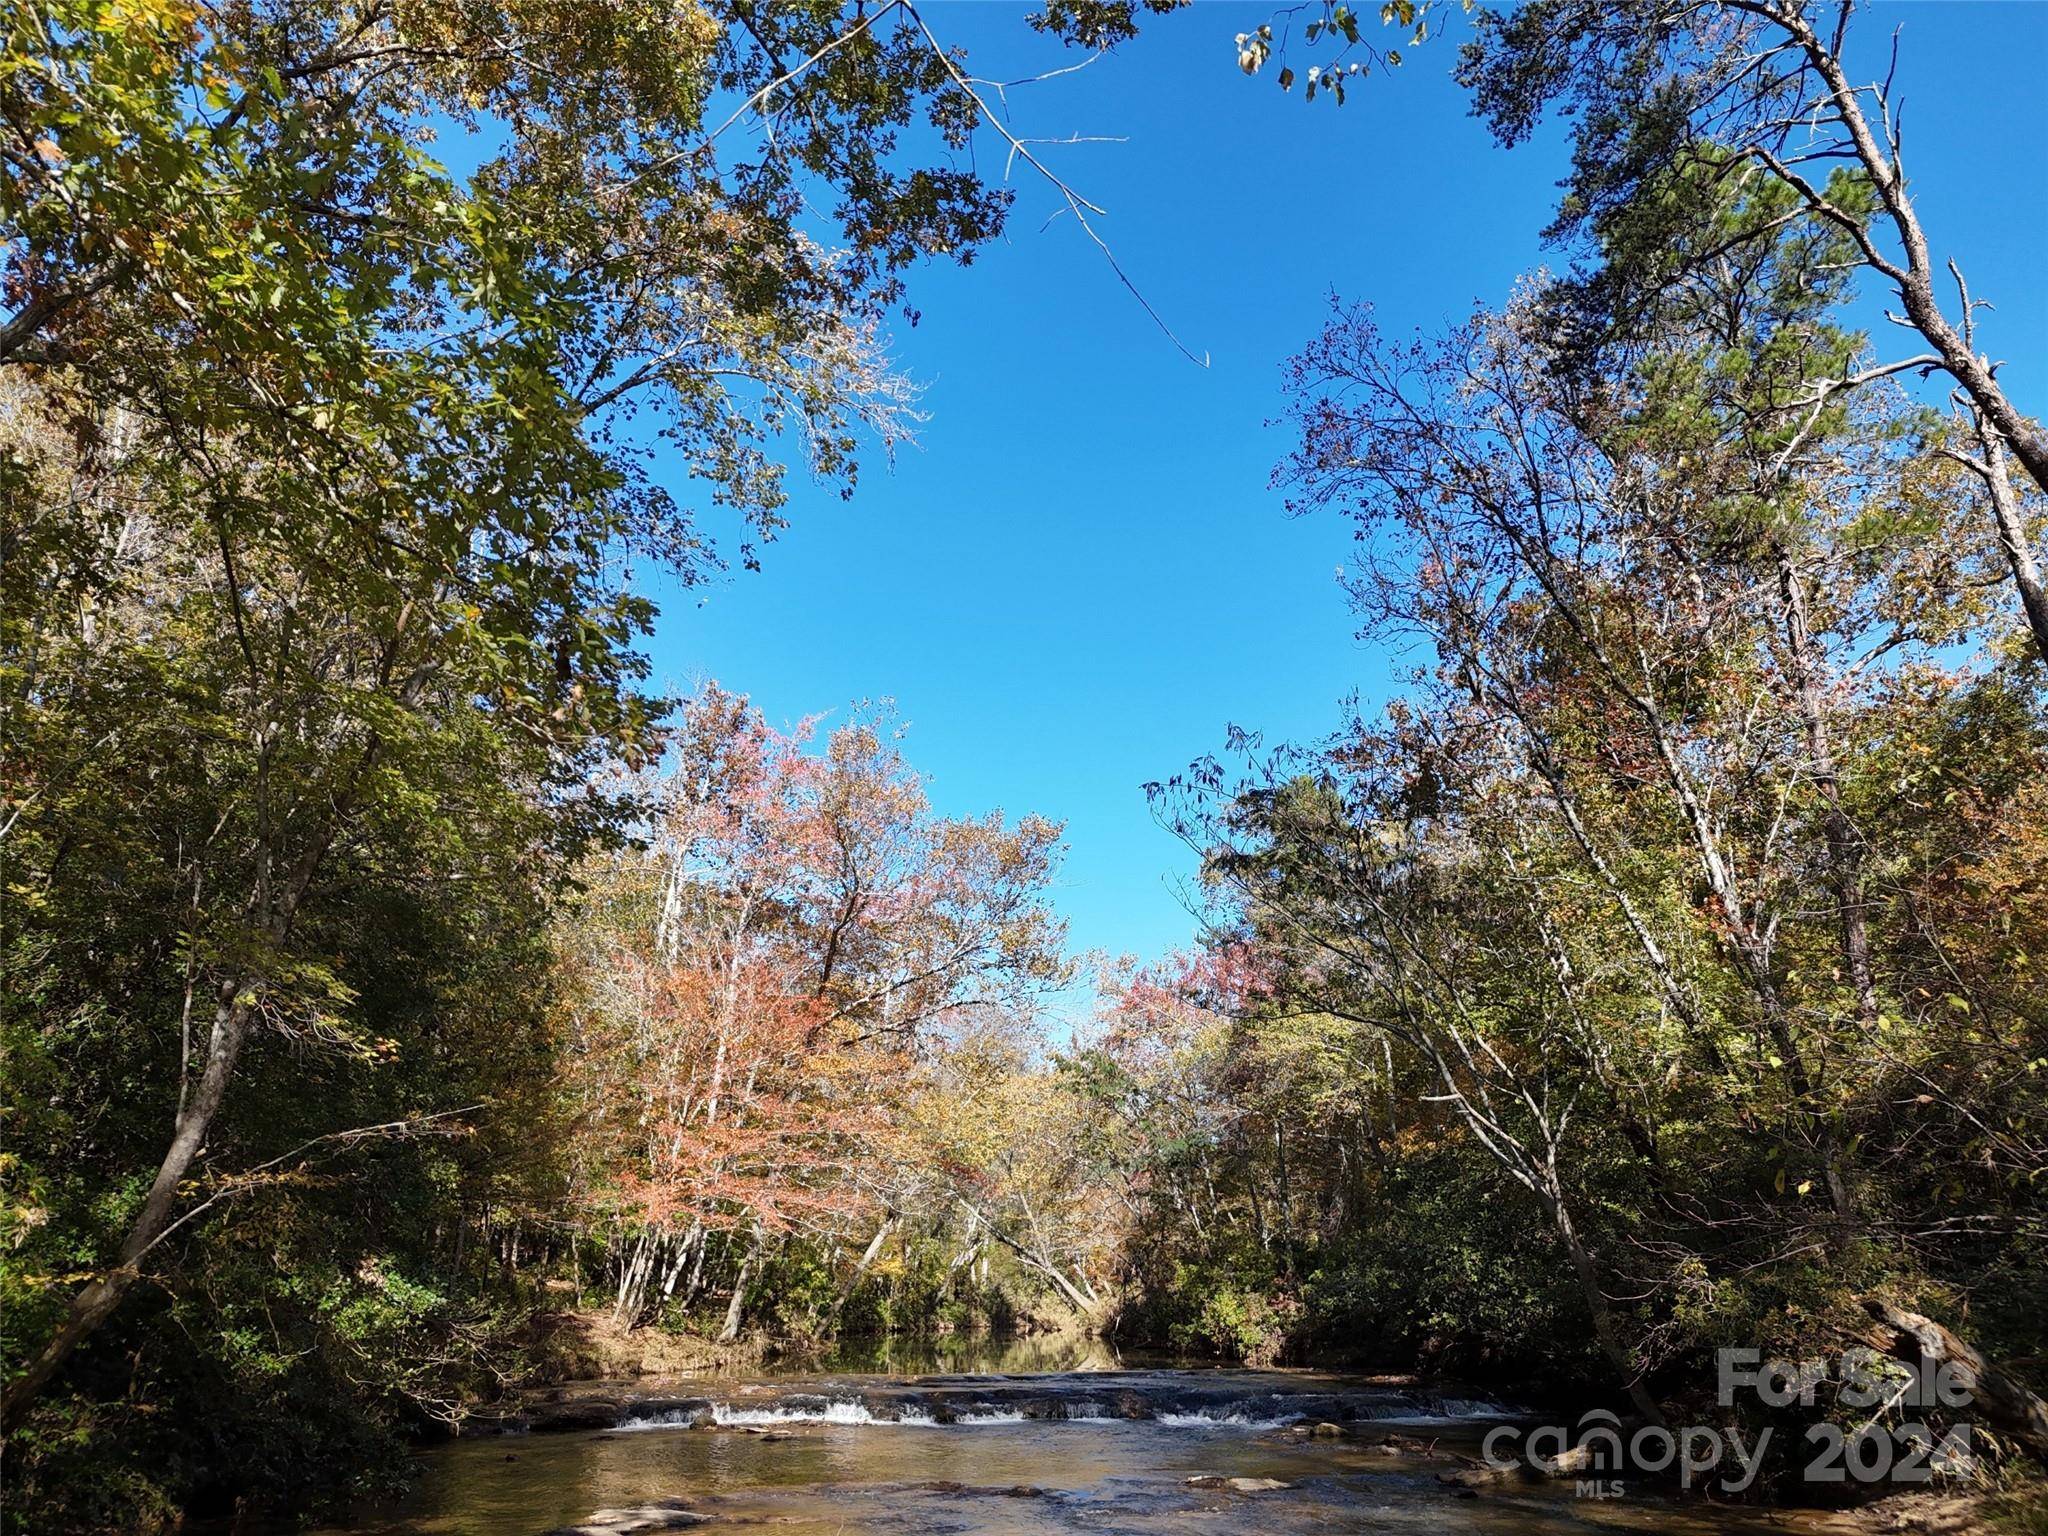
point(761, 983)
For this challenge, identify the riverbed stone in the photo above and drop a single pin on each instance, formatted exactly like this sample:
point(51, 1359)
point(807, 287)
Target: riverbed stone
point(1237, 1484)
point(634, 1519)
point(1399, 1445)
point(948, 1485)
point(1571, 1463)
point(576, 1413)
point(1477, 1477)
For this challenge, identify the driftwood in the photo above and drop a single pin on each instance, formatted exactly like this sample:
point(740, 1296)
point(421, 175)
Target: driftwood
point(2000, 1399)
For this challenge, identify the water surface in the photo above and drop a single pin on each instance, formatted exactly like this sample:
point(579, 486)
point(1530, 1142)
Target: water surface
point(1046, 1440)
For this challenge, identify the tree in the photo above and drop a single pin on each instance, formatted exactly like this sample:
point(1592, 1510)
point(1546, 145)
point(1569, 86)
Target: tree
point(759, 983)
point(1623, 849)
point(325, 464)
point(1734, 90)
point(1681, 113)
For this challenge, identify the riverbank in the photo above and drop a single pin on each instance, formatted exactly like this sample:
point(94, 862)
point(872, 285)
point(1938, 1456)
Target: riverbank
point(565, 1347)
point(593, 1345)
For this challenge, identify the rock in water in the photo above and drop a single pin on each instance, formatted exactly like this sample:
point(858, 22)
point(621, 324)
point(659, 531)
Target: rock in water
point(1574, 1461)
point(1236, 1484)
point(668, 1515)
point(575, 1413)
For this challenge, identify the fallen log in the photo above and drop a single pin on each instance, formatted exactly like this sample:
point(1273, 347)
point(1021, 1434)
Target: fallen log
point(1998, 1398)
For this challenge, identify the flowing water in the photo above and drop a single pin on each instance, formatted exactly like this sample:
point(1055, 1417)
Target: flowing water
point(1027, 1441)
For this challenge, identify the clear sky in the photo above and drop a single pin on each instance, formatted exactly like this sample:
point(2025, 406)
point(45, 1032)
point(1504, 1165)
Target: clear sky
point(1078, 577)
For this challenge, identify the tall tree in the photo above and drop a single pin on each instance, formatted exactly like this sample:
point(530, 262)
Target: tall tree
point(325, 463)
point(1619, 838)
point(1680, 112)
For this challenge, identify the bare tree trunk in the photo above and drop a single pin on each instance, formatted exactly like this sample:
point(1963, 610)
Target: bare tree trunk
point(1844, 843)
point(1752, 945)
point(695, 1285)
point(626, 1303)
point(1914, 281)
point(1040, 1262)
point(1994, 1394)
point(860, 1269)
point(736, 1310)
point(689, 1244)
point(2012, 531)
point(1544, 759)
point(1588, 1274)
point(1539, 1174)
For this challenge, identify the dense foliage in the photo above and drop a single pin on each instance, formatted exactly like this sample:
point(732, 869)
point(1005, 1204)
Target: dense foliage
point(756, 993)
point(326, 478)
point(1691, 896)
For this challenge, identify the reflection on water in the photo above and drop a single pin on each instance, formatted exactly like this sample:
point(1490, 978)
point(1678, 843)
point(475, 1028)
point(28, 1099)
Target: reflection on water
point(957, 1355)
point(829, 1469)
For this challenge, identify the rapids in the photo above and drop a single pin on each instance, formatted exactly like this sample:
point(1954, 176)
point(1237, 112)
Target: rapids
point(1047, 1446)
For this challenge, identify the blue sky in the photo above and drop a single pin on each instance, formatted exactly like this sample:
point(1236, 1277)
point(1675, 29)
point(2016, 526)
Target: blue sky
point(1078, 578)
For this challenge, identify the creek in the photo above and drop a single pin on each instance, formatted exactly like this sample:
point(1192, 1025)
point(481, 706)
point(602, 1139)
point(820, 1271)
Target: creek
point(1028, 1439)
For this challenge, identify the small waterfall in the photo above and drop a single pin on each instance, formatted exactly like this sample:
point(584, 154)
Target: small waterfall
point(1171, 1400)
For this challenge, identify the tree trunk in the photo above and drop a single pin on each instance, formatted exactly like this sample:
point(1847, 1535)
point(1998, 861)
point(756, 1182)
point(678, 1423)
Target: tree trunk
point(1080, 1302)
point(92, 1305)
point(1844, 843)
point(627, 1303)
point(689, 1244)
point(2012, 531)
point(1604, 1331)
point(736, 1310)
point(273, 906)
point(2000, 1399)
point(860, 1270)
point(1915, 282)
point(694, 1286)
point(1752, 947)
